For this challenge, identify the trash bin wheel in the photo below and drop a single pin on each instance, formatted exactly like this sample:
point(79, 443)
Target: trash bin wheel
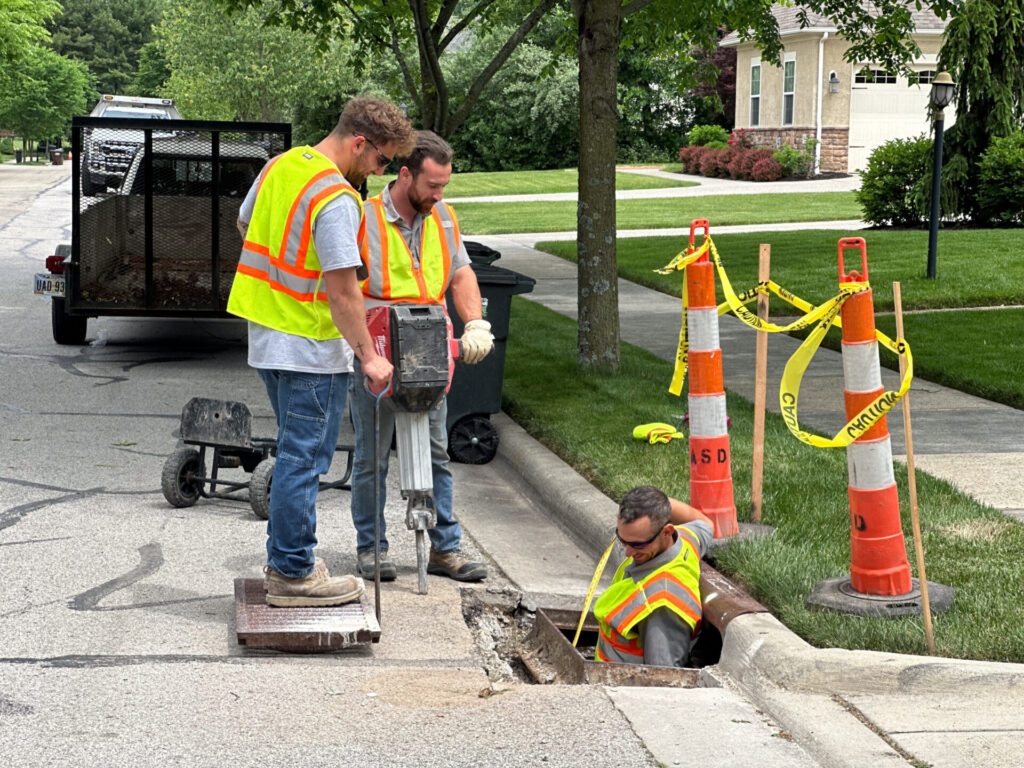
point(473, 440)
point(178, 482)
point(259, 488)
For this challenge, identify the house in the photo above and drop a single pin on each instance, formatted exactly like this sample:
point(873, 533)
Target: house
point(813, 93)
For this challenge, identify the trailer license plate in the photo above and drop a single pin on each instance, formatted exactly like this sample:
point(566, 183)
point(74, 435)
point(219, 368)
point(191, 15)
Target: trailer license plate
point(49, 285)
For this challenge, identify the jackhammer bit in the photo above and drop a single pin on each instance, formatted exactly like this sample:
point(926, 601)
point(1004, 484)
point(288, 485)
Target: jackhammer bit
point(419, 517)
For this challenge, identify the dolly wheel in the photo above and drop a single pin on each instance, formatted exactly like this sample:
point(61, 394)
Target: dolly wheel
point(178, 480)
point(259, 488)
point(473, 440)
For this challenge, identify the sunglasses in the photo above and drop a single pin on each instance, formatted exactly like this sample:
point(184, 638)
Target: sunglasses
point(638, 544)
point(382, 160)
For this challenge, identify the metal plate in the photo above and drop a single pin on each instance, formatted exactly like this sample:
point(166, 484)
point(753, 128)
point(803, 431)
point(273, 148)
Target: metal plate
point(310, 630)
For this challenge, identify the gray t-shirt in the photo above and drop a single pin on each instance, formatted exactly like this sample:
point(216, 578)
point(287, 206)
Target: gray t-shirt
point(334, 230)
point(665, 637)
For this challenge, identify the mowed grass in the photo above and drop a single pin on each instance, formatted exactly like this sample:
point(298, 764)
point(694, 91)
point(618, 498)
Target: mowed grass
point(975, 268)
point(660, 213)
point(530, 183)
point(588, 420)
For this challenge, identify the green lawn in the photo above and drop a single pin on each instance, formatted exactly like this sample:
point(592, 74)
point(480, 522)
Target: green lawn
point(976, 268)
point(530, 183)
point(969, 547)
point(657, 213)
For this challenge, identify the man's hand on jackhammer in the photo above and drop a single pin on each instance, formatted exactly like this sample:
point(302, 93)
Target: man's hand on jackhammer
point(378, 370)
point(477, 341)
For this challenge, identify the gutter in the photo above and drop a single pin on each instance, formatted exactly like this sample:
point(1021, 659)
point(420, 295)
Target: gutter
point(818, 93)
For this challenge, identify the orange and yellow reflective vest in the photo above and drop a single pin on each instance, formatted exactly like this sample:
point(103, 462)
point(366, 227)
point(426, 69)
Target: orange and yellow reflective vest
point(279, 282)
point(675, 586)
point(393, 274)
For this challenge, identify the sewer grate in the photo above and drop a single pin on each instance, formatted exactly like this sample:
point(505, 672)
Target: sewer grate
point(311, 630)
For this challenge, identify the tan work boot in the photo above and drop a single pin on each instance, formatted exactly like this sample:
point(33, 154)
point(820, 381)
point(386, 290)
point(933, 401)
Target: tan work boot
point(453, 565)
point(319, 566)
point(317, 589)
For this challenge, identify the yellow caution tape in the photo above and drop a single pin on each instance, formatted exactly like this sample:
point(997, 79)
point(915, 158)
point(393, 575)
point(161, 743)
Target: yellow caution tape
point(656, 432)
point(825, 315)
point(593, 588)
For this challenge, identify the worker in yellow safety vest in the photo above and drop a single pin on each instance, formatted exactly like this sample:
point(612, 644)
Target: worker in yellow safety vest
point(651, 612)
point(413, 253)
point(297, 285)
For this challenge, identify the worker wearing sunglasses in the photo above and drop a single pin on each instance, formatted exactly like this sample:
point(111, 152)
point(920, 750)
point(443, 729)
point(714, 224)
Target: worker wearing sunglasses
point(651, 612)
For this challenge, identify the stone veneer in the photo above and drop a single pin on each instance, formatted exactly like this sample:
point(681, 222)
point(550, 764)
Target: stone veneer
point(834, 143)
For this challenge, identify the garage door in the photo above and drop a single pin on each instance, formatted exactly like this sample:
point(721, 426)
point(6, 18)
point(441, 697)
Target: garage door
point(884, 107)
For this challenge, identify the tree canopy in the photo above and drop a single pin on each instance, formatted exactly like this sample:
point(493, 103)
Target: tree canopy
point(48, 91)
point(21, 27)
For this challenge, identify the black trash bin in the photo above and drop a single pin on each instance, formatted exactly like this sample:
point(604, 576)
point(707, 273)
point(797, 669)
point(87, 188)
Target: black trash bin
point(17, 156)
point(476, 389)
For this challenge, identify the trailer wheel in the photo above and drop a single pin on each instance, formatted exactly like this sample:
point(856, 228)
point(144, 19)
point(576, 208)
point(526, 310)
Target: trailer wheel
point(178, 481)
point(259, 488)
point(473, 440)
point(67, 329)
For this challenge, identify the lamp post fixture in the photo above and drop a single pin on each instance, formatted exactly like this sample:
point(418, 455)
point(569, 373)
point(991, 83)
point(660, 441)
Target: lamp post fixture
point(941, 95)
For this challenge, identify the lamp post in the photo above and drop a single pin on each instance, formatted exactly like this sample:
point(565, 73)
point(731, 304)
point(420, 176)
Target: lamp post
point(941, 95)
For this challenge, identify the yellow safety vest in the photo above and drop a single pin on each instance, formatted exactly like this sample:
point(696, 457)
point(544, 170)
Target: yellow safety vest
point(675, 586)
point(278, 282)
point(393, 274)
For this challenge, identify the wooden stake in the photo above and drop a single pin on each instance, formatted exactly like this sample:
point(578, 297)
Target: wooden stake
point(912, 481)
point(760, 388)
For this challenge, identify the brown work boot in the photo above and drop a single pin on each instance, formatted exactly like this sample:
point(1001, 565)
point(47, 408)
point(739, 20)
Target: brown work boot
point(453, 565)
point(319, 566)
point(317, 589)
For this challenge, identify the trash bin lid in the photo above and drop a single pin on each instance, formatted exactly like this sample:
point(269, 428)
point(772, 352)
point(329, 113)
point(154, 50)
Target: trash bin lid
point(480, 253)
point(491, 275)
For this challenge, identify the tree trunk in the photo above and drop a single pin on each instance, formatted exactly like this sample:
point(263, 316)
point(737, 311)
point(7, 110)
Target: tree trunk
point(597, 273)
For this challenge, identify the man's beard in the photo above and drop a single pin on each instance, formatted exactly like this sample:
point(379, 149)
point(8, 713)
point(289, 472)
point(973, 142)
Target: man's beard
point(422, 205)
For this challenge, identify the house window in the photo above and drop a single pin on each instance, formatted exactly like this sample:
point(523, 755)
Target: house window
point(877, 76)
point(788, 88)
point(925, 77)
point(755, 93)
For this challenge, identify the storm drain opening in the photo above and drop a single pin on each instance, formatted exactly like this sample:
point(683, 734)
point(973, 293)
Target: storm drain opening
point(528, 646)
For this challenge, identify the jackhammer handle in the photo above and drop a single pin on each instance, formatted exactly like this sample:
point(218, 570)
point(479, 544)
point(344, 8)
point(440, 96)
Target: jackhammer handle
point(369, 388)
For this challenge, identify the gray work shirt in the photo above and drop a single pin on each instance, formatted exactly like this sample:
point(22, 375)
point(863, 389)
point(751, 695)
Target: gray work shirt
point(665, 637)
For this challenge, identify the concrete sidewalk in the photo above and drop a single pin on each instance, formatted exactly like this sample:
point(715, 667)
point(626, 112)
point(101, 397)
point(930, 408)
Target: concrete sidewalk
point(845, 708)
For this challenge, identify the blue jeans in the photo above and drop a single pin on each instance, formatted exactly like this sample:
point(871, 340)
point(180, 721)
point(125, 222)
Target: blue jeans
point(446, 535)
point(308, 408)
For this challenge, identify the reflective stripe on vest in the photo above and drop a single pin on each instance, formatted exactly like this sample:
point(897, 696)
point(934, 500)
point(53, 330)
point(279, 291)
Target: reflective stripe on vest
point(278, 282)
point(393, 274)
point(675, 586)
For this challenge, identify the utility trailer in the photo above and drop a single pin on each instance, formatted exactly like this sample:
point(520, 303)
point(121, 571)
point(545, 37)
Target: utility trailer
point(164, 244)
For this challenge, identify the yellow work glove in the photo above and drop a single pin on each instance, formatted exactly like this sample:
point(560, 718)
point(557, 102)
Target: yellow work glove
point(656, 432)
point(477, 341)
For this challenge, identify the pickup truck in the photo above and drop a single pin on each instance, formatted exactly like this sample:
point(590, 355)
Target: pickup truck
point(107, 153)
point(165, 243)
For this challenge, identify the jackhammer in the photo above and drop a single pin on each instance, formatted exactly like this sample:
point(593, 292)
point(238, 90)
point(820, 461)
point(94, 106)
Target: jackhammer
point(418, 342)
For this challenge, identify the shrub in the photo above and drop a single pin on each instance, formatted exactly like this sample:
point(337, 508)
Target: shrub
point(1001, 179)
point(740, 139)
point(893, 188)
point(701, 135)
point(793, 161)
point(739, 156)
point(716, 144)
point(750, 160)
point(690, 158)
point(709, 161)
point(7, 145)
point(766, 169)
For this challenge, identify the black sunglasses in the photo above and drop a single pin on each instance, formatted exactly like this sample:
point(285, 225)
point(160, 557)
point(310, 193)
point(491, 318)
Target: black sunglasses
point(638, 544)
point(382, 160)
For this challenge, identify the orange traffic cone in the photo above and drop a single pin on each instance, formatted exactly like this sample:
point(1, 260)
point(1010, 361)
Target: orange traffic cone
point(710, 476)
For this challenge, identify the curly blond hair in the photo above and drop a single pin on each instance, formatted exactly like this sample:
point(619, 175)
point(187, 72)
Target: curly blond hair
point(379, 121)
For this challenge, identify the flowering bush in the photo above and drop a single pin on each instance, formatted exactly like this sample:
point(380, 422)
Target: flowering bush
point(766, 169)
point(740, 139)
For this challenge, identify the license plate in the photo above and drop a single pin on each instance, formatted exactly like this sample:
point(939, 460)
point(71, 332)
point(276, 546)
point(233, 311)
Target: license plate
point(49, 285)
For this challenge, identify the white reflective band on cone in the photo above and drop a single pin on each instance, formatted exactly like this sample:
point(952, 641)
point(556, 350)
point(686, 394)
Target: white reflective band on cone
point(702, 329)
point(869, 465)
point(707, 415)
point(861, 371)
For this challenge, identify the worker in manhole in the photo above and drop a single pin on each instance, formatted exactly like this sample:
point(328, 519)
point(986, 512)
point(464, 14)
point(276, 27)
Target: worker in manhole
point(413, 252)
point(297, 285)
point(651, 612)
